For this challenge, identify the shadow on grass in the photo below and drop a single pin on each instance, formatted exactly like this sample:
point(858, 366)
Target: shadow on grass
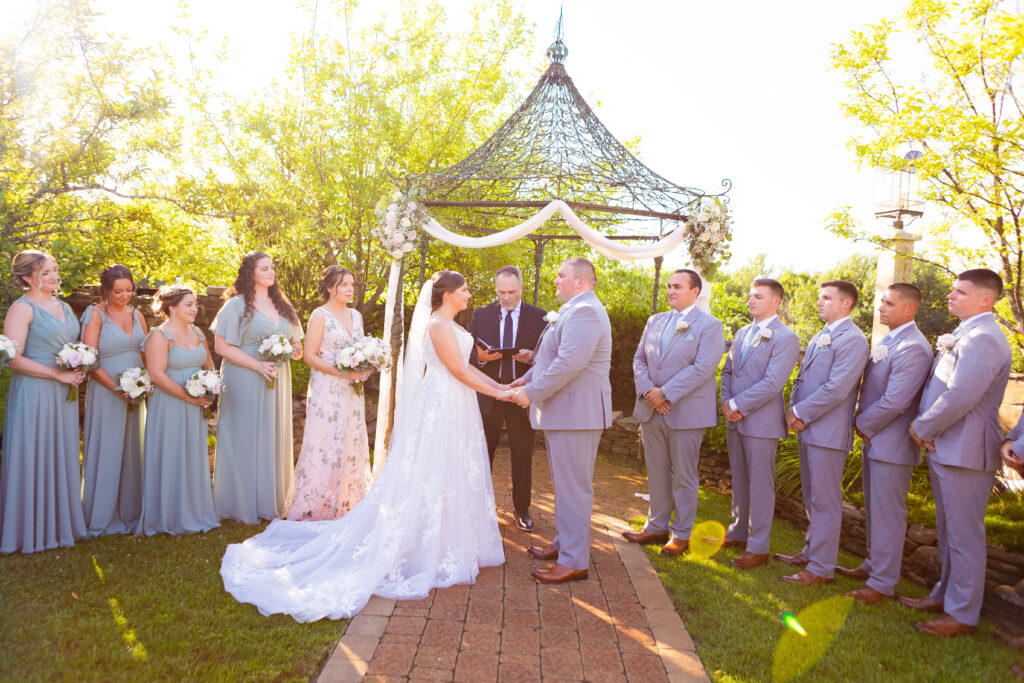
point(121, 608)
point(736, 619)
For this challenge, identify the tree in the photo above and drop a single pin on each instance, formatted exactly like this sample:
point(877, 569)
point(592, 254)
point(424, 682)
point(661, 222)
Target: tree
point(968, 118)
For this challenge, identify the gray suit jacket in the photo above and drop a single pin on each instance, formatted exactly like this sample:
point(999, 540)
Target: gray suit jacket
point(825, 391)
point(960, 403)
point(685, 371)
point(568, 383)
point(756, 383)
point(889, 395)
point(1016, 435)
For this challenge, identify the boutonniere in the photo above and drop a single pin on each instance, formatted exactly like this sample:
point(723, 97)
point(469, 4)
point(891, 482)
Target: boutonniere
point(824, 340)
point(879, 353)
point(551, 317)
point(945, 342)
point(763, 335)
point(682, 326)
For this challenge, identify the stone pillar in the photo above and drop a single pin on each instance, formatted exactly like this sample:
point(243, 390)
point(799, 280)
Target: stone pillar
point(894, 265)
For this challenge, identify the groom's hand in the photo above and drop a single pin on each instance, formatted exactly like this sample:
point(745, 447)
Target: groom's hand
point(521, 398)
point(518, 383)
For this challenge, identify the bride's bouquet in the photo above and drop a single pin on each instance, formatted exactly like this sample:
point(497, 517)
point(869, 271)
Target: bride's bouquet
point(275, 348)
point(8, 350)
point(206, 384)
point(364, 354)
point(77, 356)
point(136, 385)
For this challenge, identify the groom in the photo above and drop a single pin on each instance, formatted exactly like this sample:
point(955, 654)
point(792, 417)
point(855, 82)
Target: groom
point(570, 398)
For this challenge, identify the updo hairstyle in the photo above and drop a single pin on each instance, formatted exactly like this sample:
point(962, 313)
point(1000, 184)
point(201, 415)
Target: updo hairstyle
point(112, 274)
point(168, 296)
point(445, 281)
point(25, 263)
point(331, 277)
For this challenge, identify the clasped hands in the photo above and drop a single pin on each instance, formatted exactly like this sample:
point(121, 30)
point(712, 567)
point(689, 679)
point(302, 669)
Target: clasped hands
point(928, 445)
point(794, 422)
point(730, 414)
point(1010, 458)
point(514, 393)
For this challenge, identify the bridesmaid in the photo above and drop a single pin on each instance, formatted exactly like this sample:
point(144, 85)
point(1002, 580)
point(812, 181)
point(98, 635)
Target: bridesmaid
point(333, 472)
point(40, 479)
point(176, 495)
point(254, 459)
point(112, 451)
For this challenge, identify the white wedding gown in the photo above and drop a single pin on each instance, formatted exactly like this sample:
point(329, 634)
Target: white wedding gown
point(429, 521)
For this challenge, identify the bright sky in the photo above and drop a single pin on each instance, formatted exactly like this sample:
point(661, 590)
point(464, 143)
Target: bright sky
point(739, 90)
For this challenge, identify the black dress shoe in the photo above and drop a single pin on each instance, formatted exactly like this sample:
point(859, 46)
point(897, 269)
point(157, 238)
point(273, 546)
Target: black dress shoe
point(524, 521)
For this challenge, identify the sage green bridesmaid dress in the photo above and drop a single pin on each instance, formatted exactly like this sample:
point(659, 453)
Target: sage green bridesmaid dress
point(112, 445)
point(176, 495)
point(40, 477)
point(252, 472)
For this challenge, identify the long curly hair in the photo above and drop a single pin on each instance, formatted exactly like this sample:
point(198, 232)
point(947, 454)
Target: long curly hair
point(245, 284)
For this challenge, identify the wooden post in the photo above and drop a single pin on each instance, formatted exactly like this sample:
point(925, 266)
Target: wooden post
point(658, 260)
point(424, 246)
point(892, 266)
point(538, 261)
point(397, 334)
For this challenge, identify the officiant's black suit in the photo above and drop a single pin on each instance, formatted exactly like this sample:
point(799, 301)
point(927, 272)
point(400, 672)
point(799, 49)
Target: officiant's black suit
point(485, 325)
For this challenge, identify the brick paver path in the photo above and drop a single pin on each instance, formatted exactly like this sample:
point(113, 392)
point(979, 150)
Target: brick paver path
point(618, 625)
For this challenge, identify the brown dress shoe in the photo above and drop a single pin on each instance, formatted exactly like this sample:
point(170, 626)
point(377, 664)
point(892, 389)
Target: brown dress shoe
point(644, 537)
point(748, 560)
point(675, 546)
point(729, 543)
point(866, 595)
point(548, 552)
point(797, 560)
point(944, 626)
point(925, 604)
point(805, 578)
point(1012, 641)
point(559, 574)
point(857, 573)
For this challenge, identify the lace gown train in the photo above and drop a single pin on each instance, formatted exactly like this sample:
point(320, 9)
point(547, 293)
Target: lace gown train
point(429, 521)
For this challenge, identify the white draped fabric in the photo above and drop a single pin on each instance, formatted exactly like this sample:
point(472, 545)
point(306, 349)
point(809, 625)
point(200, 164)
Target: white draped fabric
point(595, 239)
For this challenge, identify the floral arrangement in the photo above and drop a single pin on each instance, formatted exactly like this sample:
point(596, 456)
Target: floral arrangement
point(364, 354)
point(879, 353)
point(206, 384)
point(276, 348)
point(763, 334)
point(682, 326)
point(708, 233)
point(8, 350)
point(551, 317)
point(399, 221)
point(77, 356)
point(824, 340)
point(945, 342)
point(136, 385)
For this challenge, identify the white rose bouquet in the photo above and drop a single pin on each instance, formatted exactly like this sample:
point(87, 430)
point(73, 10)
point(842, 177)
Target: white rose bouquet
point(136, 385)
point(364, 354)
point(8, 350)
point(708, 233)
point(206, 384)
point(399, 221)
point(275, 348)
point(77, 356)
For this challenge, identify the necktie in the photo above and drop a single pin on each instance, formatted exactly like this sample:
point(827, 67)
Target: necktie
point(748, 341)
point(886, 339)
point(505, 369)
point(670, 330)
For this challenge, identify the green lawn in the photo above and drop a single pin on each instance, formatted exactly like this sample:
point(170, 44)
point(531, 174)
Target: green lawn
point(120, 608)
point(735, 619)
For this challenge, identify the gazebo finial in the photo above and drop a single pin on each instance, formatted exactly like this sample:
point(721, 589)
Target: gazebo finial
point(558, 51)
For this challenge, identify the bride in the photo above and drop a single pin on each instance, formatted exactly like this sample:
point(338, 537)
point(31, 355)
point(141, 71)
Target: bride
point(429, 521)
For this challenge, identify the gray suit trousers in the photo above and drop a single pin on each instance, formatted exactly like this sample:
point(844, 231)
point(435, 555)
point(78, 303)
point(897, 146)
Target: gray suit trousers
point(885, 508)
point(960, 498)
point(672, 456)
point(571, 456)
point(752, 463)
point(821, 479)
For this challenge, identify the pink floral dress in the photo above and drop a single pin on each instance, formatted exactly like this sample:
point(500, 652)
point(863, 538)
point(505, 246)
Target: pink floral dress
point(333, 472)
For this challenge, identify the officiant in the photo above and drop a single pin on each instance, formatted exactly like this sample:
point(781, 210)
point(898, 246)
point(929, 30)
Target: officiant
point(506, 332)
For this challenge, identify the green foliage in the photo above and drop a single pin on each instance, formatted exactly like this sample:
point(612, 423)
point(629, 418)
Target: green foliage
point(300, 378)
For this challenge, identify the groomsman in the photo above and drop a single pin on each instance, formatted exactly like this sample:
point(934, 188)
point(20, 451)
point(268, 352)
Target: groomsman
point(509, 322)
point(821, 412)
point(755, 373)
point(959, 427)
point(570, 398)
point(889, 395)
point(674, 371)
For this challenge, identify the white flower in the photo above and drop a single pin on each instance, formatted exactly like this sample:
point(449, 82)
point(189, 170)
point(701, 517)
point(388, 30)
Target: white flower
point(763, 334)
point(705, 236)
point(411, 235)
point(396, 195)
point(391, 221)
point(276, 349)
point(406, 223)
point(715, 226)
point(682, 326)
point(945, 342)
point(412, 206)
point(551, 317)
point(407, 247)
point(824, 340)
point(879, 353)
point(396, 254)
point(194, 387)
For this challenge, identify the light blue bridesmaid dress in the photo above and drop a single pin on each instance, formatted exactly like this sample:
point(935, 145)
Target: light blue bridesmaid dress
point(40, 478)
point(252, 473)
point(176, 495)
point(112, 447)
